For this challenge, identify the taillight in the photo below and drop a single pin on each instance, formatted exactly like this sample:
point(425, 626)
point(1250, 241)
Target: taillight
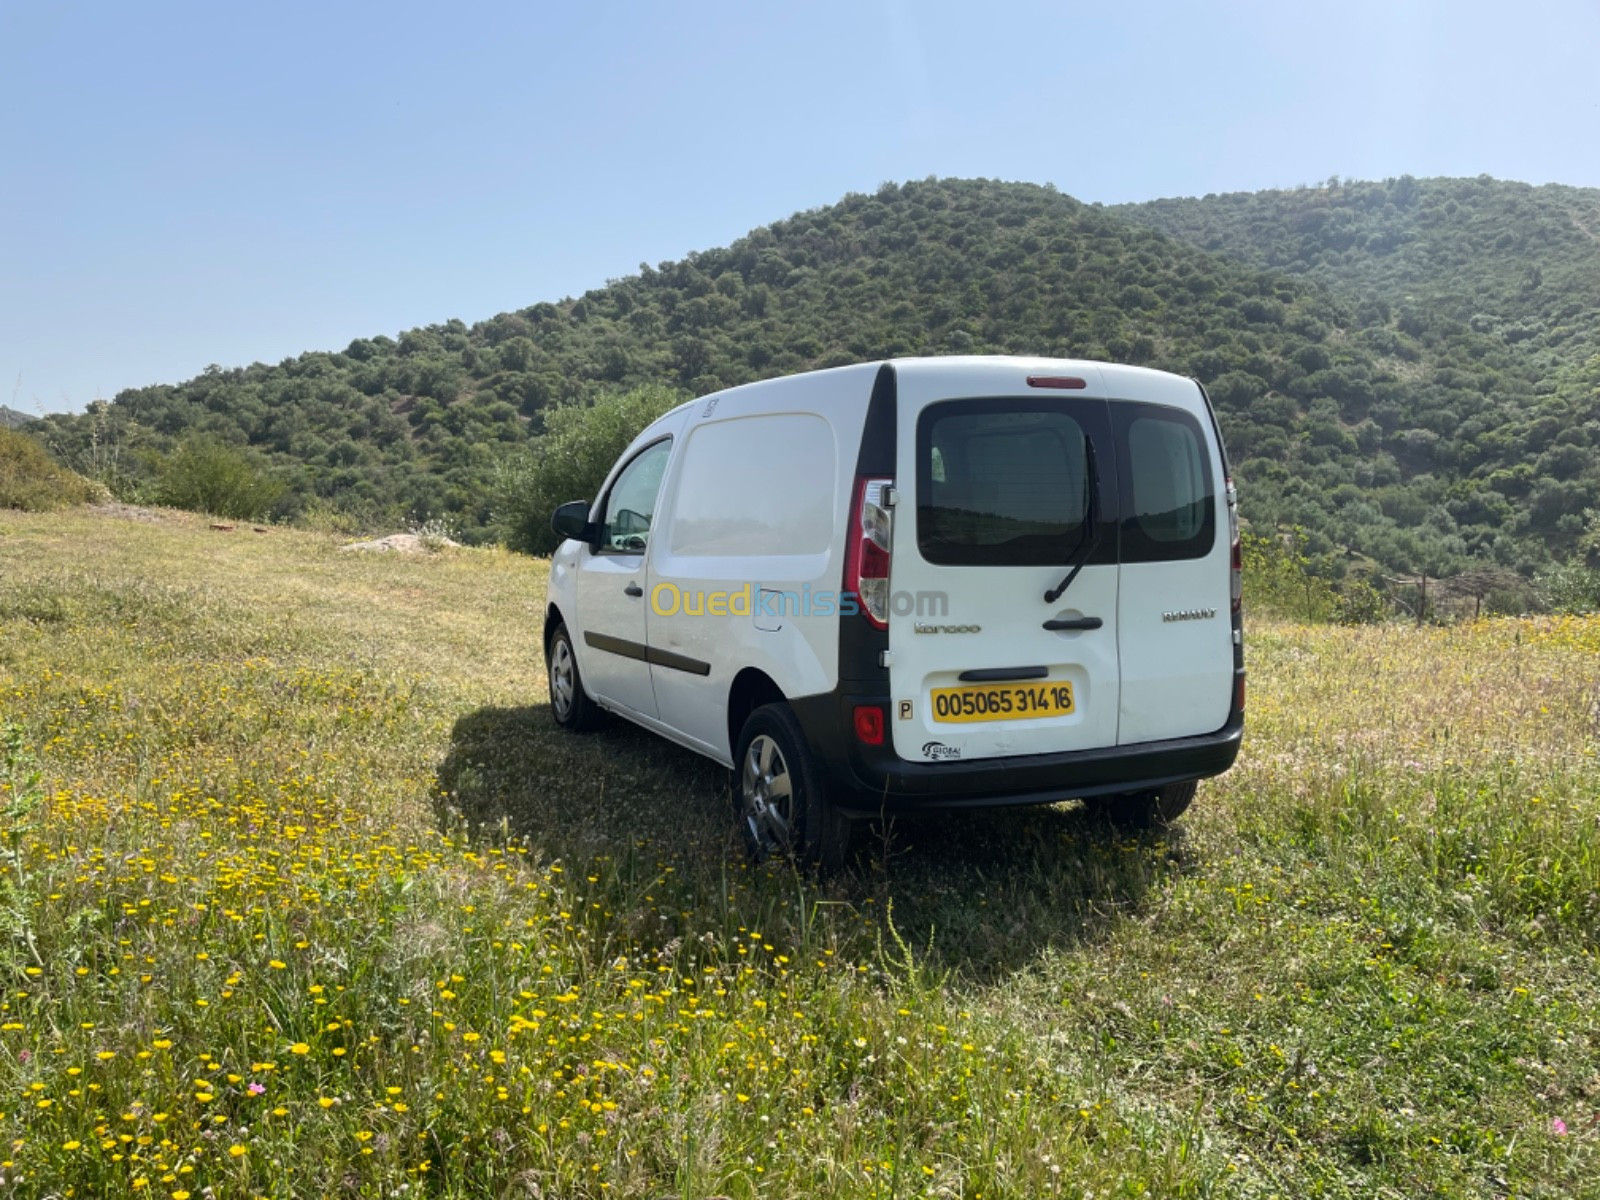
point(869, 724)
point(1065, 382)
point(1238, 691)
point(866, 566)
point(1237, 552)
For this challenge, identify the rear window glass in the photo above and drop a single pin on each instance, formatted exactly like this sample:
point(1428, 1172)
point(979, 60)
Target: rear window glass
point(1169, 505)
point(999, 485)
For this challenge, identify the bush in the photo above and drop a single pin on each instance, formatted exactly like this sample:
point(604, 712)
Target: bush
point(210, 476)
point(1359, 603)
point(341, 518)
point(1278, 581)
point(33, 481)
point(1573, 588)
point(569, 461)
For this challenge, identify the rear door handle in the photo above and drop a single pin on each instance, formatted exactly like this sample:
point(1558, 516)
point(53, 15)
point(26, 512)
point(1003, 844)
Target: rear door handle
point(1059, 623)
point(633, 589)
point(1003, 674)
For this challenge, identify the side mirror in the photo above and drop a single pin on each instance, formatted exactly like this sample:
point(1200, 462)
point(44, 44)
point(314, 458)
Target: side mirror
point(571, 520)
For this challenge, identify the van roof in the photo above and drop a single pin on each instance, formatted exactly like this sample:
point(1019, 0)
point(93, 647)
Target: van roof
point(1109, 371)
point(982, 374)
point(999, 371)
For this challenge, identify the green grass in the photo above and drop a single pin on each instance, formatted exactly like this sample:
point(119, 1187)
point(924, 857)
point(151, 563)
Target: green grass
point(305, 895)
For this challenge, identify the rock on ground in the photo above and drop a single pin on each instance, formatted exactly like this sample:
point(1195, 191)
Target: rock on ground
point(402, 543)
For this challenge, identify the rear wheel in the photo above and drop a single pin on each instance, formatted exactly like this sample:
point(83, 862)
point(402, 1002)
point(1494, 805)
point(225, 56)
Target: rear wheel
point(569, 705)
point(1153, 809)
point(783, 810)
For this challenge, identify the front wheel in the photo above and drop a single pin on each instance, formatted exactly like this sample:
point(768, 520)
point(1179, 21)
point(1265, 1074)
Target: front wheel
point(782, 807)
point(570, 706)
point(1154, 809)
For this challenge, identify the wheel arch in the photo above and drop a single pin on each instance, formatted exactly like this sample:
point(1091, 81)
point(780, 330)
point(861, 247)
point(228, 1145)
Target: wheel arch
point(552, 618)
point(751, 688)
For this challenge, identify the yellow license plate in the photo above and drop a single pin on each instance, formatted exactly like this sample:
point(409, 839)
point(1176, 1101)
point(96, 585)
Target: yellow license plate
point(1002, 701)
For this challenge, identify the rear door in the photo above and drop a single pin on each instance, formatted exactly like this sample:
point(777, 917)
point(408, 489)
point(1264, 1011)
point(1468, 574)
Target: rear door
point(1173, 626)
point(1001, 487)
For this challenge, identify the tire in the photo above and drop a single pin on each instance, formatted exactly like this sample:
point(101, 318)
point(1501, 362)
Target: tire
point(571, 707)
point(778, 796)
point(1154, 809)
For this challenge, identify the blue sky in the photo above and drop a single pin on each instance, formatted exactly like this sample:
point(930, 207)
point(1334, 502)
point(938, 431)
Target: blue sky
point(193, 183)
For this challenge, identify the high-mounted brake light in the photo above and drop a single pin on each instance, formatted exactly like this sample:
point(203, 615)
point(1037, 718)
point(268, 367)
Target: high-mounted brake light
point(1068, 382)
point(866, 564)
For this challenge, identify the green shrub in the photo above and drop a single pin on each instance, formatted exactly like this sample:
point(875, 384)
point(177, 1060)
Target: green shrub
point(1573, 588)
point(107, 452)
point(31, 480)
point(346, 516)
point(1357, 602)
point(210, 476)
point(569, 461)
point(1278, 580)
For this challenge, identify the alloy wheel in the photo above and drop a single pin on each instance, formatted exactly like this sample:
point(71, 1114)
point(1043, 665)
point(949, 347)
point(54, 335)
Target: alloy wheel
point(562, 685)
point(767, 796)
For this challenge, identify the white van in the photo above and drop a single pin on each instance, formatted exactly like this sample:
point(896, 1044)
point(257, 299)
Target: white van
point(917, 584)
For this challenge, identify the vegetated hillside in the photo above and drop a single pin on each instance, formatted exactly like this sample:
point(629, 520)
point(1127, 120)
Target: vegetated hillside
point(1394, 431)
point(1517, 262)
point(10, 418)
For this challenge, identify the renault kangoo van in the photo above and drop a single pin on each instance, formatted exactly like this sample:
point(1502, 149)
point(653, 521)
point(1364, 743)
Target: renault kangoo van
point(916, 584)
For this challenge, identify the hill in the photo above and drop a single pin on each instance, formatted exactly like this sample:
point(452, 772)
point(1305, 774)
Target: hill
point(1517, 262)
point(10, 418)
point(1397, 432)
point(309, 897)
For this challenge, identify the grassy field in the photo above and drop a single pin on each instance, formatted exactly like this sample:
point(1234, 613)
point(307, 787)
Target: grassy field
point(304, 895)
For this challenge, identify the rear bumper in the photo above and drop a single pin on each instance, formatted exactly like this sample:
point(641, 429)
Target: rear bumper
point(872, 780)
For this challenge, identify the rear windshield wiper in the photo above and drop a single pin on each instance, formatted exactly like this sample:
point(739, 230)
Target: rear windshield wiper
point(1090, 538)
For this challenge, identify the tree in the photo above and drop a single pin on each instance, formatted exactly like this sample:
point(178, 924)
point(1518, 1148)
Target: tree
point(569, 461)
point(207, 475)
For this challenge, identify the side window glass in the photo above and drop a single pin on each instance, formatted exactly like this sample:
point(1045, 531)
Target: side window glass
point(631, 504)
point(1169, 508)
point(1169, 491)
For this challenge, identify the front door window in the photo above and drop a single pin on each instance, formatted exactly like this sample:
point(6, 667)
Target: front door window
point(631, 505)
